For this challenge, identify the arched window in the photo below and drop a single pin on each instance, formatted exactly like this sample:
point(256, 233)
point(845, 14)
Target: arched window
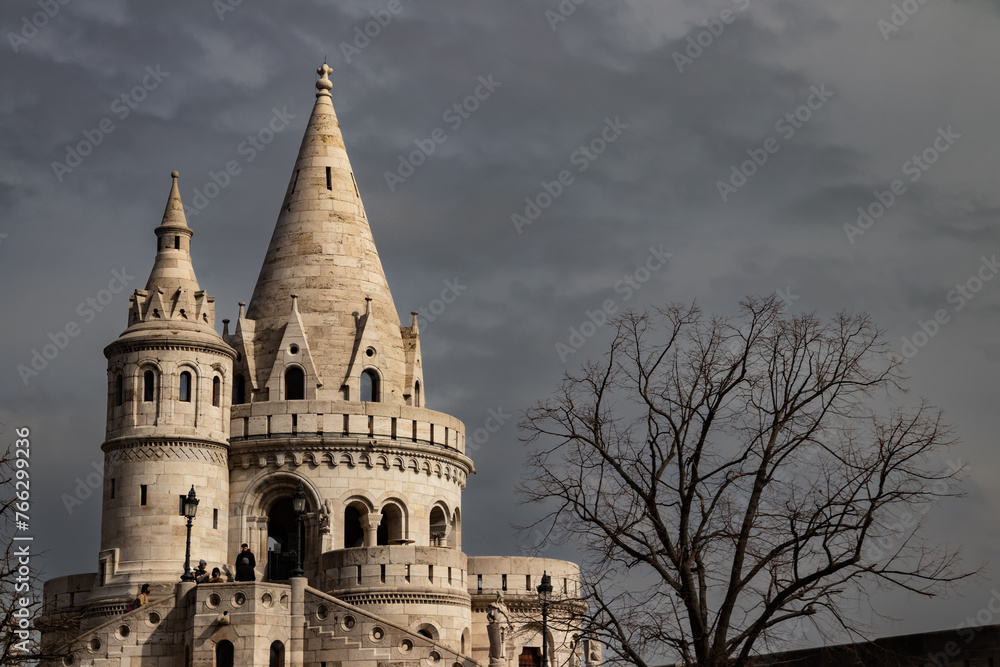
point(416, 393)
point(119, 389)
point(277, 655)
point(216, 391)
point(148, 386)
point(295, 384)
point(185, 393)
point(354, 535)
point(239, 389)
point(438, 527)
point(369, 386)
point(390, 529)
point(224, 654)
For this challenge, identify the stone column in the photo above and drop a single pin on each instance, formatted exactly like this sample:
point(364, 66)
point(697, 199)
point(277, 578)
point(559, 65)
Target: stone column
point(370, 523)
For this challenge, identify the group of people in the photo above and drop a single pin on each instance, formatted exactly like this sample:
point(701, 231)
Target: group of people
point(245, 564)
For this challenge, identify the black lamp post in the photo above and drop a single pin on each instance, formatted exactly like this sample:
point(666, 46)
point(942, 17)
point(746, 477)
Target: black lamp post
point(299, 505)
point(545, 597)
point(190, 509)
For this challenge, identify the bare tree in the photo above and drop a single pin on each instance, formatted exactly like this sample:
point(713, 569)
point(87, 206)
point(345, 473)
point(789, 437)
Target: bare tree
point(729, 478)
point(20, 585)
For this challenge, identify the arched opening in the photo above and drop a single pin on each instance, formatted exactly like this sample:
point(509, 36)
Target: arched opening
point(466, 636)
point(427, 630)
point(224, 654)
point(119, 390)
point(277, 655)
point(295, 384)
point(390, 529)
point(185, 387)
point(370, 390)
point(455, 534)
point(416, 394)
point(148, 386)
point(282, 538)
point(354, 534)
point(438, 527)
point(531, 656)
point(239, 389)
point(216, 391)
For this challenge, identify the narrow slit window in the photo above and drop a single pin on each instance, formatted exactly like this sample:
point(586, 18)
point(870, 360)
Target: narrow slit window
point(295, 180)
point(112, 493)
point(359, 574)
point(479, 585)
point(142, 494)
point(383, 574)
point(216, 391)
point(329, 179)
point(177, 243)
point(148, 386)
point(215, 519)
point(185, 387)
point(119, 390)
point(503, 582)
point(527, 582)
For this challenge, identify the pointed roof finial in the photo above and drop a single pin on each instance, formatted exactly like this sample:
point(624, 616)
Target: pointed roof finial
point(324, 85)
point(173, 214)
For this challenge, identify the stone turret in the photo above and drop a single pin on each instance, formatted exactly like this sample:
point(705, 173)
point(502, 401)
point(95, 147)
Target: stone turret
point(323, 251)
point(169, 378)
point(329, 395)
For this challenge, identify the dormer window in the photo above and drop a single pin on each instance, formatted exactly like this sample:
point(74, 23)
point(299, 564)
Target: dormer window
point(370, 386)
point(295, 384)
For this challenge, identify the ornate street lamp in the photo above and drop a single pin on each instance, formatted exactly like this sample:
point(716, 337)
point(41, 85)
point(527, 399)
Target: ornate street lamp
point(545, 597)
point(299, 505)
point(190, 509)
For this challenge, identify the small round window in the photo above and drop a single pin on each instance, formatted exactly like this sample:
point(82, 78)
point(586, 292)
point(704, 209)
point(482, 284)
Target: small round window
point(293, 349)
point(370, 352)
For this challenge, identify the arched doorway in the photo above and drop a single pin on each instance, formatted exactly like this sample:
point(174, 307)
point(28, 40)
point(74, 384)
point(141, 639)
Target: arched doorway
point(282, 535)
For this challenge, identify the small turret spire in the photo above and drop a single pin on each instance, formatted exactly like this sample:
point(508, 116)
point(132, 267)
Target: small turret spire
point(172, 268)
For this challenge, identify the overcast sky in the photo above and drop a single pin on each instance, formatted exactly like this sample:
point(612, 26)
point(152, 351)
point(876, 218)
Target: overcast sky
point(834, 100)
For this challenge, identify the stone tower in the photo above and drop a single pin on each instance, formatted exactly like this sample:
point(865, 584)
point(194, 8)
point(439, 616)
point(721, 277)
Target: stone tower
point(318, 390)
point(169, 375)
point(329, 393)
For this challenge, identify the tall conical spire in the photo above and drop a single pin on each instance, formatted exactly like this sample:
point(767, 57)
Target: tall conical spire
point(172, 267)
point(322, 250)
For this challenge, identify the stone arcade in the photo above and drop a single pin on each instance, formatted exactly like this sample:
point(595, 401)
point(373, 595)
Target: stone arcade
point(317, 385)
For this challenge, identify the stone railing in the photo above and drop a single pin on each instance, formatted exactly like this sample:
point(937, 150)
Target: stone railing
point(333, 419)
